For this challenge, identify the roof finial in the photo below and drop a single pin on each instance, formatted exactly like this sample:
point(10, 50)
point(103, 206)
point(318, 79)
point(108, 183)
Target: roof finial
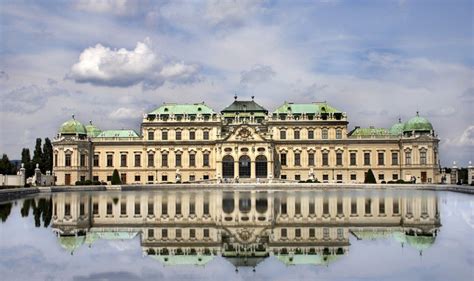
point(417, 113)
point(90, 122)
point(399, 120)
point(73, 116)
point(253, 97)
point(235, 97)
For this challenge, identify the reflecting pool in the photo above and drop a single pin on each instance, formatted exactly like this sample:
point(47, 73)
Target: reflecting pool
point(239, 235)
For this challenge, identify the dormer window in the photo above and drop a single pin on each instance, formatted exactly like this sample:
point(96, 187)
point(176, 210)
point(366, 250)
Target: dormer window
point(166, 109)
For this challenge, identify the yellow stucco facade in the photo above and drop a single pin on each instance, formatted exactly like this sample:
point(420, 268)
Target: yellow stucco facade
point(246, 143)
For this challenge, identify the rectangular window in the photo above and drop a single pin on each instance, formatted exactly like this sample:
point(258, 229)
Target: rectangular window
point(353, 160)
point(151, 160)
point(283, 177)
point(110, 160)
point(138, 160)
point(205, 160)
point(296, 135)
point(192, 135)
point(312, 233)
point(164, 135)
point(284, 233)
point(353, 206)
point(324, 134)
point(282, 134)
point(297, 177)
point(368, 206)
point(395, 177)
point(339, 178)
point(123, 160)
point(178, 208)
point(109, 178)
point(109, 208)
point(151, 178)
point(55, 160)
point(164, 208)
point(353, 177)
point(312, 206)
point(325, 160)
point(95, 208)
point(95, 178)
point(137, 208)
point(423, 157)
point(298, 232)
point(151, 135)
point(164, 159)
point(311, 134)
point(192, 177)
point(137, 178)
point(339, 158)
point(284, 208)
point(367, 158)
point(123, 208)
point(396, 208)
point(338, 134)
point(164, 233)
point(381, 177)
point(82, 209)
point(164, 178)
point(96, 160)
point(382, 206)
point(394, 158)
point(206, 208)
point(192, 233)
point(311, 159)
point(178, 160)
point(151, 233)
point(82, 161)
point(297, 159)
point(325, 178)
point(68, 160)
point(205, 233)
point(192, 207)
point(205, 177)
point(205, 135)
point(178, 135)
point(67, 209)
point(192, 160)
point(408, 158)
point(283, 159)
point(381, 158)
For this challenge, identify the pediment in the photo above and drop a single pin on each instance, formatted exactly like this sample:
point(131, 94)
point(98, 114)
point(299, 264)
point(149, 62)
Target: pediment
point(245, 133)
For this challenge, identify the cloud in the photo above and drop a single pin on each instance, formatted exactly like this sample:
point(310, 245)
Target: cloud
point(103, 66)
point(116, 7)
point(257, 74)
point(466, 138)
point(4, 75)
point(30, 98)
point(124, 113)
point(228, 12)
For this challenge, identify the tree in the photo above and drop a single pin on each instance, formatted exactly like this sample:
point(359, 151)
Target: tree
point(47, 159)
point(37, 154)
point(116, 178)
point(6, 167)
point(26, 159)
point(369, 177)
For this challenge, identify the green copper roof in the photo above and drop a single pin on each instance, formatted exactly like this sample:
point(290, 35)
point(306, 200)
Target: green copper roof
point(118, 134)
point(71, 243)
point(367, 132)
point(181, 109)
point(72, 127)
point(244, 106)
point(308, 108)
point(420, 242)
point(397, 128)
point(417, 123)
point(183, 259)
point(92, 130)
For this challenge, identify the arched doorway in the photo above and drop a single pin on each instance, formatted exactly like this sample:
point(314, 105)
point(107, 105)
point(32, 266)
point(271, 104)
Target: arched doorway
point(228, 167)
point(244, 166)
point(261, 166)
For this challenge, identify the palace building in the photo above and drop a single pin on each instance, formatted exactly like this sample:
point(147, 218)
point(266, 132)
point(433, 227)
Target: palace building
point(247, 143)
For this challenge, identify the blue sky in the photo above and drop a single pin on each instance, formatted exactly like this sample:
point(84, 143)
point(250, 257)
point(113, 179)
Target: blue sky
point(112, 61)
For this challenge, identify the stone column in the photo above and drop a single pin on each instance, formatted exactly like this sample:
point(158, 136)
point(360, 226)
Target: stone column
point(454, 174)
point(22, 175)
point(37, 175)
point(470, 173)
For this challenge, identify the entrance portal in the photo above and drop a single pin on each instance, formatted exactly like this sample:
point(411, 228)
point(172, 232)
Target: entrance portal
point(244, 166)
point(228, 167)
point(261, 166)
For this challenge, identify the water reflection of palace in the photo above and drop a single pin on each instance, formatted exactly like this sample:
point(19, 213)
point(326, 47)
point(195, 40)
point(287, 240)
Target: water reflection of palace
point(245, 227)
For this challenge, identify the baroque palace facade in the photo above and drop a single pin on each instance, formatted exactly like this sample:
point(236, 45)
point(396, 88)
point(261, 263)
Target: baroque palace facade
point(245, 142)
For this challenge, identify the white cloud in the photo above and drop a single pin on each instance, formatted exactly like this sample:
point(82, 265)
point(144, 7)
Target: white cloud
point(101, 65)
point(257, 74)
point(117, 7)
point(465, 139)
point(124, 113)
point(230, 11)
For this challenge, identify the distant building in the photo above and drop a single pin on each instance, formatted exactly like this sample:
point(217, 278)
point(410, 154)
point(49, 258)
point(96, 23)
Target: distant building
point(191, 142)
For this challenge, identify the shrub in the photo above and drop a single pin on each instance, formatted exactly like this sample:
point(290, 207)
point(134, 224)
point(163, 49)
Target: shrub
point(116, 178)
point(370, 178)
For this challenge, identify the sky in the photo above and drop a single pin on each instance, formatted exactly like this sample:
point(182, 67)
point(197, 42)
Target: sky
point(112, 61)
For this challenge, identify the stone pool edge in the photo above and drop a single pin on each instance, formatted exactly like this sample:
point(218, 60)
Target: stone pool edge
point(11, 194)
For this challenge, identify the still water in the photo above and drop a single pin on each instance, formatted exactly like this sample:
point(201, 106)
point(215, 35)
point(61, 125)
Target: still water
point(239, 235)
